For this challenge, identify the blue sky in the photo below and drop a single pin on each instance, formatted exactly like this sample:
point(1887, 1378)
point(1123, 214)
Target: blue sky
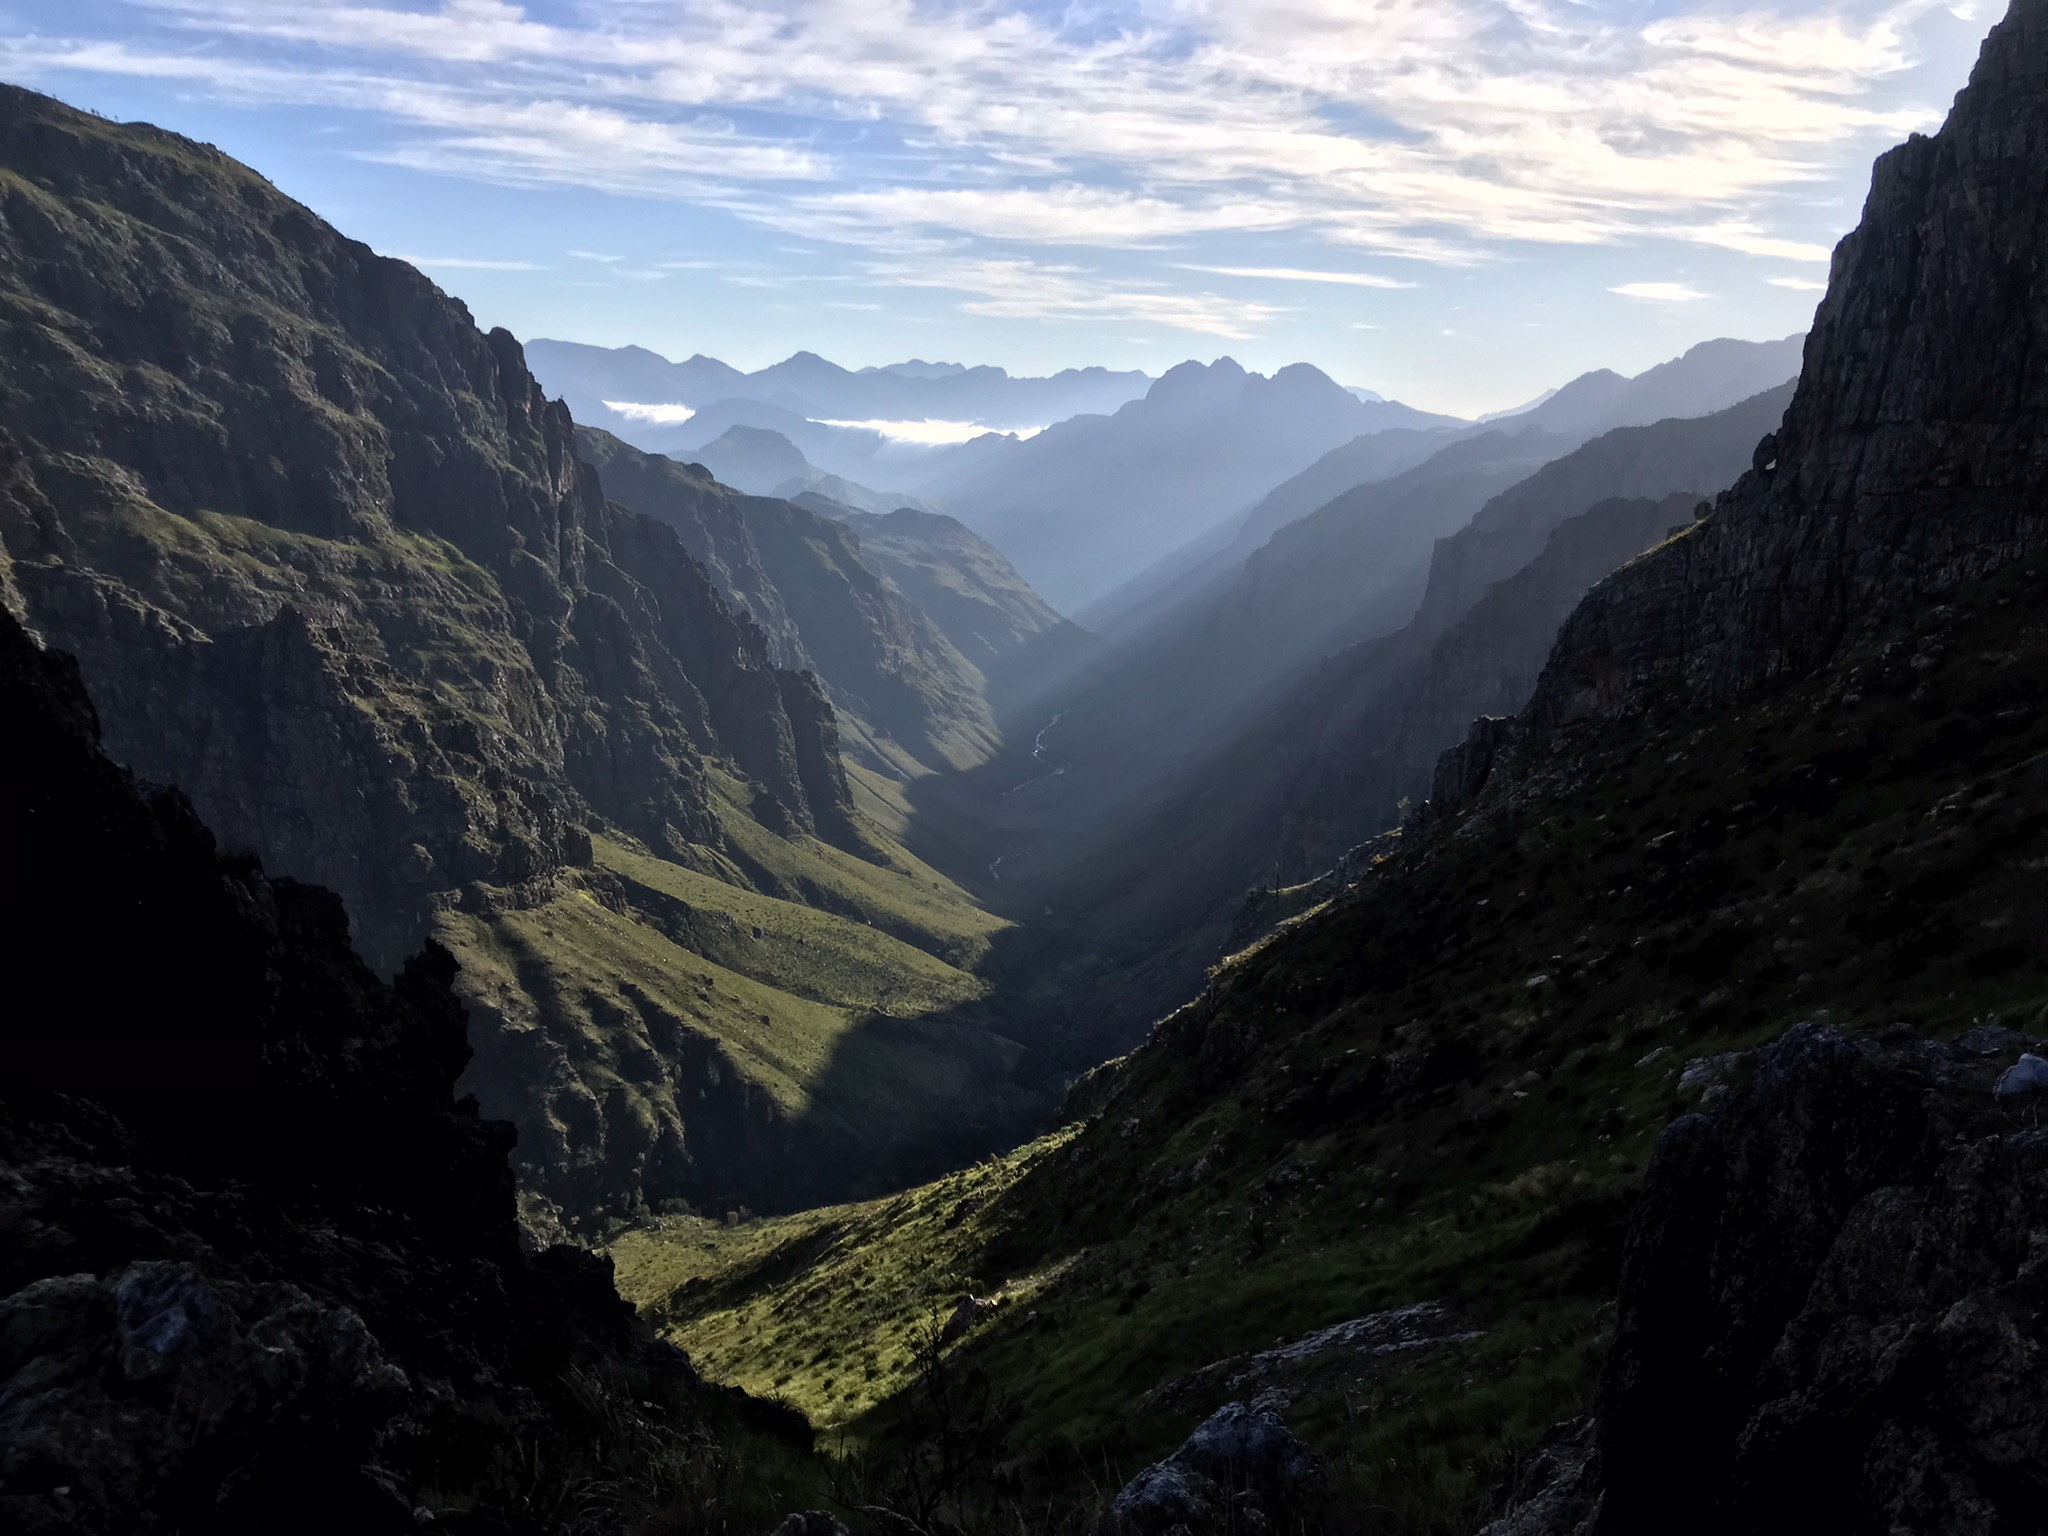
point(1458, 202)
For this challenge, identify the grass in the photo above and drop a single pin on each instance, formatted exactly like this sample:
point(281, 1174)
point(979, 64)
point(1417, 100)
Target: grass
point(1444, 1087)
point(891, 890)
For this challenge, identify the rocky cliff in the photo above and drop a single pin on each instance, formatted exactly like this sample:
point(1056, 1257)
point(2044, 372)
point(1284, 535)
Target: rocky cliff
point(1909, 458)
point(261, 1267)
point(825, 610)
point(1829, 1314)
point(1832, 1305)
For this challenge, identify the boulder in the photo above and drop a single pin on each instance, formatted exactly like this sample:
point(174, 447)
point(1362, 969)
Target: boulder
point(1239, 1461)
point(812, 1522)
point(2024, 1078)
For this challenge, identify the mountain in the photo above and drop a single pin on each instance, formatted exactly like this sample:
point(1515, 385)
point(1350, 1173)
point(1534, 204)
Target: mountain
point(806, 384)
point(330, 564)
point(1201, 567)
point(975, 596)
point(890, 671)
point(1091, 502)
point(765, 463)
point(751, 459)
point(260, 1258)
point(1709, 377)
point(1355, 570)
point(1670, 1080)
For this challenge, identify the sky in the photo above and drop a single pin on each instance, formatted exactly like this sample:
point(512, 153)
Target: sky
point(1459, 203)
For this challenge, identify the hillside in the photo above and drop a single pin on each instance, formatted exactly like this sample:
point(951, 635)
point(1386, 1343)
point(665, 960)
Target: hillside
point(331, 564)
point(895, 680)
point(1278, 795)
point(766, 463)
point(1443, 1089)
point(1022, 648)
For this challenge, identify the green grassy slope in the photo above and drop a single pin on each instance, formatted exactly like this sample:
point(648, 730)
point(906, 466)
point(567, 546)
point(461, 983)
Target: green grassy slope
point(1444, 1087)
point(817, 1012)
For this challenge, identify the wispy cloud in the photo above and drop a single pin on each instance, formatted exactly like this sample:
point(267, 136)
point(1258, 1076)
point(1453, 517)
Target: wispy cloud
point(1017, 289)
point(932, 434)
point(473, 263)
point(1301, 275)
point(1661, 293)
point(1799, 284)
point(660, 414)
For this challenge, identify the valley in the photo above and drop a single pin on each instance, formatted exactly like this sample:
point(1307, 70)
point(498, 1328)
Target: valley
point(623, 946)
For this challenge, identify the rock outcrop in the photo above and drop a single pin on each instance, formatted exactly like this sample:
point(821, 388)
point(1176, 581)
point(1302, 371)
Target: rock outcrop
point(1242, 1468)
point(1834, 1306)
point(1911, 455)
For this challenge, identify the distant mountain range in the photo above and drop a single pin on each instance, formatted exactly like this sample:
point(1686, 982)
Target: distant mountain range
point(1089, 503)
point(1707, 378)
point(593, 380)
point(1134, 488)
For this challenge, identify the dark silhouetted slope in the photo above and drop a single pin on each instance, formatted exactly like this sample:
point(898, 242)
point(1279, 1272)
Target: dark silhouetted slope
point(262, 1268)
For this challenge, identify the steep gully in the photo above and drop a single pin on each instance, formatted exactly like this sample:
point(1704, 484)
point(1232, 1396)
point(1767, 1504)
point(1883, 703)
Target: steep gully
point(550, 699)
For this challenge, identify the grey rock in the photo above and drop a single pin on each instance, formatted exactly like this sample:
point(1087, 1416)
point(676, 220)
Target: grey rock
point(1705, 1075)
point(969, 1315)
point(1422, 1325)
point(812, 1522)
point(1551, 1493)
point(1240, 1461)
point(2028, 1075)
point(117, 1388)
point(1165, 1495)
point(1991, 1040)
point(1832, 1300)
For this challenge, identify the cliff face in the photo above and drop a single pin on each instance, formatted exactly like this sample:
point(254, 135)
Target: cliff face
point(1021, 647)
point(327, 556)
point(1488, 662)
point(259, 1260)
point(803, 579)
point(1912, 454)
